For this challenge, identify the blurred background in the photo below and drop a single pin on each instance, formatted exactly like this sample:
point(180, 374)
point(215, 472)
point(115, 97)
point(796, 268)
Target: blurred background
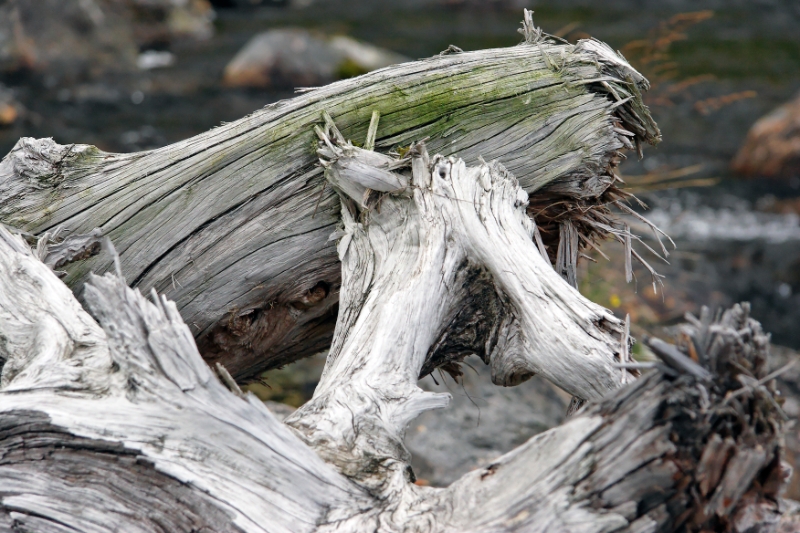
point(131, 75)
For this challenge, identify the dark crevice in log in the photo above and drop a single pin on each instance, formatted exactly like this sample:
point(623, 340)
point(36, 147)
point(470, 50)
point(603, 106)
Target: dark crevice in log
point(242, 341)
point(473, 329)
point(71, 249)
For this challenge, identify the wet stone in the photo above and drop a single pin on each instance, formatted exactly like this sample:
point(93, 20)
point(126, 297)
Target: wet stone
point(291, 57)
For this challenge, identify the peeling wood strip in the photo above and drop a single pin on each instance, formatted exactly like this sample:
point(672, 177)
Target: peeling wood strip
point(676, 360)
point(372, 132)
point(537, 236)
point(739, 474)
point(712, 462)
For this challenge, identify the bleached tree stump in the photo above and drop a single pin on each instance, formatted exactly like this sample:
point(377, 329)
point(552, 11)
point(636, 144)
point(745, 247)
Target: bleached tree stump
point(233, 224)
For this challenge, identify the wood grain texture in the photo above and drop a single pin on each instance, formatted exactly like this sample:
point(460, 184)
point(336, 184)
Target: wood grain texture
point(118, 424)
point(234, 226)
point(111, 420)
point(409, 260)
point(55, 481)
point(105, 421)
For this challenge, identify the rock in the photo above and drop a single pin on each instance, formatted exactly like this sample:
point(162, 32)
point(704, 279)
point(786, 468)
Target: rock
point(291, 57)
point(150, 59)
point(71, 41)
point(282, 58)
point(280, 410)
point(10, 109)
point(362, 57)
point(482, 422)
point(8, 114)
point(162, 21)
point(772, 147)
point(251, 4)
point(508, 5)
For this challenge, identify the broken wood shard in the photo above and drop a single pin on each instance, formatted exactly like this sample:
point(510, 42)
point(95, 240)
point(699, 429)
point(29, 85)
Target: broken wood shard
point(474, 219)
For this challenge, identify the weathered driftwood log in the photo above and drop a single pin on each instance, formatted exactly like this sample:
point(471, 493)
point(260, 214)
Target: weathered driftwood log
point(120, 424)
point(234, 224)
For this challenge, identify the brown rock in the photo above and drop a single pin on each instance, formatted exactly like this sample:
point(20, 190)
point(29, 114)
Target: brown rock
point(772, 147)
point(291, 57)
point(8, 114)
point(69, 39)
point(10, 109)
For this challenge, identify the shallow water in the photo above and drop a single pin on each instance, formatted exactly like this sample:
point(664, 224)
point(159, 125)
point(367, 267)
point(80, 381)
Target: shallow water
point(729, 251)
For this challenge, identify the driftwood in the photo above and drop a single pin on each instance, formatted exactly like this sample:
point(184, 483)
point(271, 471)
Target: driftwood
point(116, 423)
point(111, 420)
point(234, 224)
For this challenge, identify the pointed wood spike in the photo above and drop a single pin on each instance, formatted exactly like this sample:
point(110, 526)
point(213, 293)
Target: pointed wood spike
point(372, 132)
